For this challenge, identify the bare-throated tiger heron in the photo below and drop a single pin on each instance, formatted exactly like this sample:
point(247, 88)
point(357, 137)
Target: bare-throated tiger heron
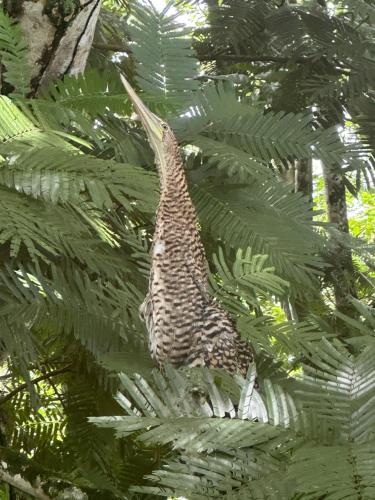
point(185, 326)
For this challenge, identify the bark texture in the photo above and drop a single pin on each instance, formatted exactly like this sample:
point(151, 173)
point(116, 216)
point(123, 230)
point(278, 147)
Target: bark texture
point(342, 273)
point(303, 178)
point(22, 484)
point(59, 35)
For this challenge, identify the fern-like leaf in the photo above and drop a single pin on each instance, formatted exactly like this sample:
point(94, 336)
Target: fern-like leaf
point(14, 56)
point(165, 63)
point(248, 277)
point(217, 113)
point(61, 177)
point(269, 220)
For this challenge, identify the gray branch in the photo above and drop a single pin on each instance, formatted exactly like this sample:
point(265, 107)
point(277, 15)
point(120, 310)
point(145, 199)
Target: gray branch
point(22, 484)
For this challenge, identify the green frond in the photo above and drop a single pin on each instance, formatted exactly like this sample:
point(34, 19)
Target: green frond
point(218, 114)
point(14, 56)
point(22, 347)
point(82, 128)
point(197, 433)
point(298, 29)
point(232, 160)
point(249, 277)
point(236, 26)
point(338, 390)
point(19, 342)
point(269, 219)
point(127, 144)
point(165, 63)
point(21, 224)
point(289, 338)
point(334, 472)
point(78, 194)
point(35, 431)
point(187, 412)
point(91, 92)
point(97, 313)
point(329, 402)
point(365, 325)
point(19, 130)
point(173, 410)
point(92, 457)
point(62, 177)
point(229, 476)
point(47, 231)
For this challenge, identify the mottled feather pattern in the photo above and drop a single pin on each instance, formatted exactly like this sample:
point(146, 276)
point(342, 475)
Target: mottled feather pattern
point(186, 327)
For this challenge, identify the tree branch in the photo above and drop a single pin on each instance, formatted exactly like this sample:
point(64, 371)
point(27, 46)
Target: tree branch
point(113, 47)
point(246, 58)
point(21, 484)
point(207, 57)
point(34, 381)
point(267, 58)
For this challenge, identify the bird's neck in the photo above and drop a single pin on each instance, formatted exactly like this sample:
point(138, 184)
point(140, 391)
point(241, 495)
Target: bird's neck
point(176, 229)
point(173, 182)
point(174, 196)
point(172, 174)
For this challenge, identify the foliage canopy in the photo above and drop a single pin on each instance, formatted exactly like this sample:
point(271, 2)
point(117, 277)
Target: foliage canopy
point(81, 405)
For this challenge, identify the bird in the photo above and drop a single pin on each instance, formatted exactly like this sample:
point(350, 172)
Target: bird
point(186, 327)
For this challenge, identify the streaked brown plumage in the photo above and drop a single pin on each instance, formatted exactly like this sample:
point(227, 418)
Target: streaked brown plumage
point(185, 326)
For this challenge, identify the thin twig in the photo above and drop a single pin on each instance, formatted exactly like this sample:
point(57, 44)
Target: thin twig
point(34, 381)
point(246, 58)
point(270, 59)
point(113, 47)
point(53, 385)
point(208, 57)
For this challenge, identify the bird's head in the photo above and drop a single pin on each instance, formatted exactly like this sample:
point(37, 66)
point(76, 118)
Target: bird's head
point(160, 135)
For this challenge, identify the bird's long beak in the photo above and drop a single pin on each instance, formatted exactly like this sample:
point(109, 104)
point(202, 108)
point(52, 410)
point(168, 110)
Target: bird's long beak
point(150, 122)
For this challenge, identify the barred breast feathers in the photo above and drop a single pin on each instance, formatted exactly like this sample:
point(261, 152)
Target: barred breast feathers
point(185, 326)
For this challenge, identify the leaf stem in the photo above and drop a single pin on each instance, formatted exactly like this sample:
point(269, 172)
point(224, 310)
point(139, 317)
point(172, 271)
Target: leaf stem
point(45, 376)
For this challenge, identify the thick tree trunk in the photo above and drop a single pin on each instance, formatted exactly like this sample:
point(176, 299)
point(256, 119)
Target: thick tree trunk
point(303, 178)
point(342, 273)
point(59, 35)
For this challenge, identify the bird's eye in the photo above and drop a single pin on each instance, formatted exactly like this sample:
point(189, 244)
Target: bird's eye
point(164, 126)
